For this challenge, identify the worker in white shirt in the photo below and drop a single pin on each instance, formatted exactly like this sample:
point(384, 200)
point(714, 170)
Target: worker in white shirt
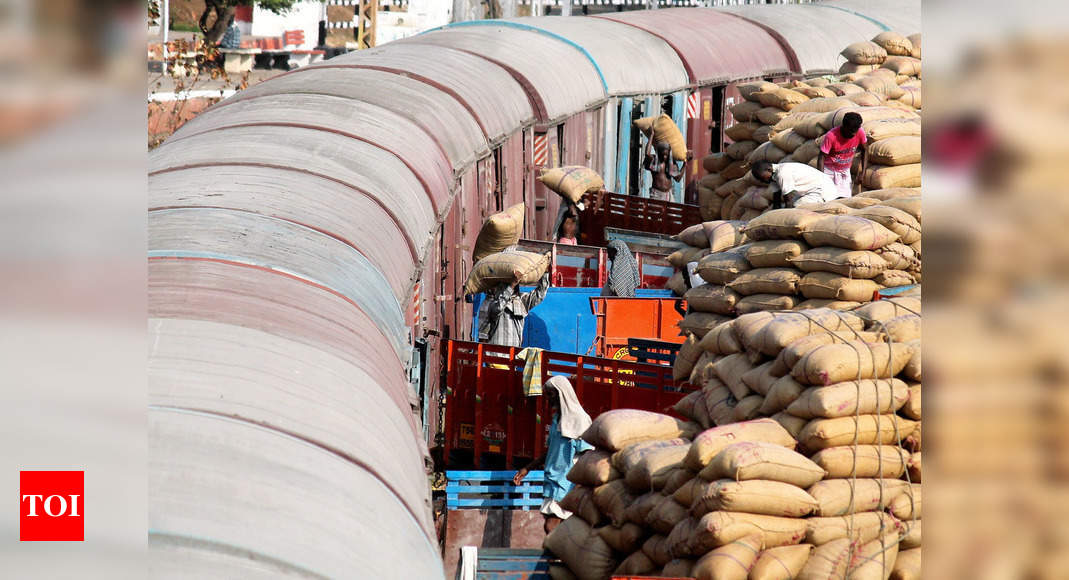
point(795, 184)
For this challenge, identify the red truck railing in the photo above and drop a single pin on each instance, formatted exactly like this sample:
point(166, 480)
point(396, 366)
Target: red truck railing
point(629, 212)
point(487, 412)
point(587, 266)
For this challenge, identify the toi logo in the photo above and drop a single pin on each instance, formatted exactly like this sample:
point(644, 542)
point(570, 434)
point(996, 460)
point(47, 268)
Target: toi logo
point(51, 506)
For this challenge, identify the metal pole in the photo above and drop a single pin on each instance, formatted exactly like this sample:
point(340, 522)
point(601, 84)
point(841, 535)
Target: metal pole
point(165, 23)
point(566, 7)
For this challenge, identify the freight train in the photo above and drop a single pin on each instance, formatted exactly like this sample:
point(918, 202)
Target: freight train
point(310, 236)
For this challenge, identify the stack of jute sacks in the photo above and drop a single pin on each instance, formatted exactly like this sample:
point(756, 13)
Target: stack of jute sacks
point(823, 256)
point(783, 122)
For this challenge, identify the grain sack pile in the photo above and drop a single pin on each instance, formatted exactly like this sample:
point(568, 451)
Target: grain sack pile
point(784, 122)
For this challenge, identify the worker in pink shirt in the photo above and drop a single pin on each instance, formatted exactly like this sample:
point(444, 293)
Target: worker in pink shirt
point(837, 151)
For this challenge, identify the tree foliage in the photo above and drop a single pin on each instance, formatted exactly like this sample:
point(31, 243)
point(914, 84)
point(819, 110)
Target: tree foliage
point(223, 12)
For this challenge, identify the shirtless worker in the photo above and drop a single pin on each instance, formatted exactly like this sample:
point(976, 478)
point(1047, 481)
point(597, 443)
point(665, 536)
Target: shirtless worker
point(663, 169)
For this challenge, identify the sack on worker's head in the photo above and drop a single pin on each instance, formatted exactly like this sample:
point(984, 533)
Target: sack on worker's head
point(506, 268)
point(781, 224)
point(619, 428)
point(665, 131)
point(499, 231)
point(849, 232)
point(886, 176)
point(896, 151)
point(849, 263)
point(572, 181)
point(894, 43)
point(581, 549)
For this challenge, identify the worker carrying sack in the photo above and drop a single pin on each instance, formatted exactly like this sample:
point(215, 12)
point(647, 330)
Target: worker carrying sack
point(499, 231)
point(572, 181)
point(506, 268)
point(665, 131)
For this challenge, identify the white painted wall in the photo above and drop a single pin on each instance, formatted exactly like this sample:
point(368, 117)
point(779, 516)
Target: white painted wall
point(304, 16)
point(421, 15)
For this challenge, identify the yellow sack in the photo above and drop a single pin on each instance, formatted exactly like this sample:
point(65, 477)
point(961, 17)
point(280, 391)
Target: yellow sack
point(665, 131)
point(499, 231)
point(572, 181)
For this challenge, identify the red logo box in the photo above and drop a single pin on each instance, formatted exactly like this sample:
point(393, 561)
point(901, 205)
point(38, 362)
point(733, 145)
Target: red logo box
point(51, 506)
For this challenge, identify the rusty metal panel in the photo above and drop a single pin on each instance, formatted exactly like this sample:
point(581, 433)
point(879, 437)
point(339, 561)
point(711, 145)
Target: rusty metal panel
point(498, 102)
point(903, 16)
point(715, 46)
point(512, 163)
point(559, 77)
point(308, 152)
point(361, 121)
point(438, 114)
point(817, 53)
point(617, 48)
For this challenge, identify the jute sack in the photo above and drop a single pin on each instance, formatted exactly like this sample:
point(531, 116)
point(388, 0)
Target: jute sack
point(748, 326)
point(764, 134)
point(781, 98)
point(712, 298)
point(834, 495)
point(741, 149)
point(654, 465)
point(837, 363)
point(560, 572)
point(770, 116)
point(680, 258)
point(884, 310)
point(866, 99)
point(880, 129)
point(745, 111)
point(755, 198)
point(792, 425)
point(875, 560)
point(849, 68)
point(788, 140)
point(811, 128)
point(665, 131)
point(767, 281)
point(709, 203)
point(843, 89)
point(912, 408)
point(742, 131)
point(699, 323)
point(613, 499)
point(619, 428)
point(716, 529)
point(848, 232)
point(882, 86)
point(757, 460)
point(893, 43)
point(686, 357)
point(908, 505)
point(711, 442)
point(782, 563)
point(910, 205)
point(580, 501)
point(867, 396)
point(774, 253)
point(581, 549)
point(730, 562)
point(665, 516)
point(678, 568)
point(629, 457)
point(499, 231)
point(816, 92)
point(693, 236)
point(907, 565)
point(911, 96)
point(711, 181)
point(901, 150)
point(782, 224)
point(861, 527)
point(572, 181)
point(637, 564)
point(828, 562)
point(871, 459)
point(911, 535)
point(824, 105)
point(760, 378)
point(765, 303)
point(676, 284)
point(857, 202)
point(808, 151)
point(747, 90)
point(785, 328)
point(864, 430)
point(723, 267)
point(833, 286)
point(835, 118)
point(721, 340)
point(864, 52)
point(690, 490)
point(748, 407)
point(730, 370)
point(703, 371)
point(814, 303)
point(915, 467)
point(773, 498)
point(781, 394)
point(915, 41)
point(793, 120)
point(716, 162)
point(506, 268)
point(656, 547)
point(593, 468)
point(793, 353)
point(903, 65)
point(675, 479)
point(720, 403)
point(679, 539)
point(906, 226)
point(692, 407)
point(882, 176)
point(766, 152)
point(640, 509)
point(905, 328)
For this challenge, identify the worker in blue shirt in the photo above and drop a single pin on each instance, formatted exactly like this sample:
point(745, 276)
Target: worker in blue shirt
point(568, 424)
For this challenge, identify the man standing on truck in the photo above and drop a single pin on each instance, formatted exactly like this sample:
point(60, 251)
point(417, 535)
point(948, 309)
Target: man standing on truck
point(663, 169)
point(504, 311)
point(837, 149)
point(568, 424)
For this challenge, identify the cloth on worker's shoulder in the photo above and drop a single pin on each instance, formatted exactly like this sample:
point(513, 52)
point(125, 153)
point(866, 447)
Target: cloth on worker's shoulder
point(532, 370)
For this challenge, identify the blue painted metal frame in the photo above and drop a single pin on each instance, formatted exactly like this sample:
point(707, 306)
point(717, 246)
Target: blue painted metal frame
point(679, 112)
point(651, 108)
point(612, 107)
point(512, 564)
point(493, 482)
point(529, 28)
point(623, 146)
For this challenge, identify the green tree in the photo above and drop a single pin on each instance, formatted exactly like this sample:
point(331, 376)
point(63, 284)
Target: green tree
point(218, 14)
